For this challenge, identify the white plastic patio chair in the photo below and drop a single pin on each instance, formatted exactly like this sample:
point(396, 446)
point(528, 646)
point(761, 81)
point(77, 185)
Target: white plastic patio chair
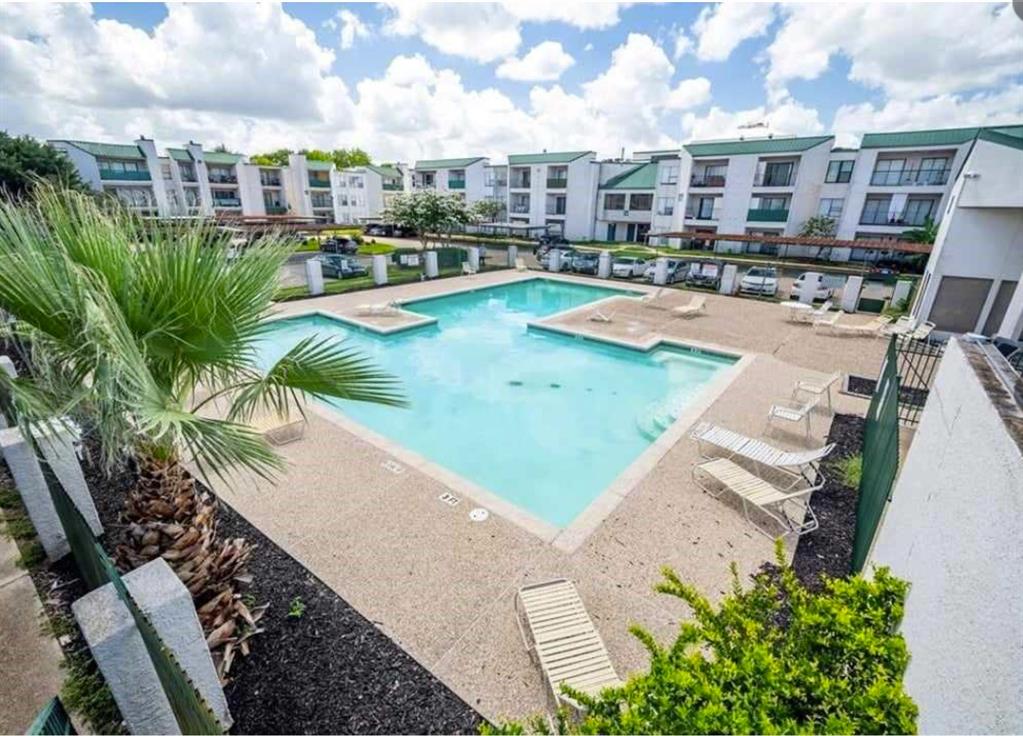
point(597, 316)
point(811, 316)
point(802, 466)
point(561, 634)
point(791, 411)
point(653, 299)
point(902, 326)
point(817, 388)
point(923, 331)
point(520, 264)
point(468, 270)
point(755, 491)
point(827, 322)
point(696, 306)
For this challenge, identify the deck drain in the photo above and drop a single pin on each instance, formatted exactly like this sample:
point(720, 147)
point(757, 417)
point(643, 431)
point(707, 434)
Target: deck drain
point(555, 385)
point(448, 498)
point(479, 514)
point(393, 466)
point(514, 383)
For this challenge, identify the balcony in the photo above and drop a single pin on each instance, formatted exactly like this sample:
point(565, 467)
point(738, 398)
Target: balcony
point(713, 214)
point(899, 219)
point(520, 181)
point(227, 202)
point(456, 183)
point(424, 184)
point(520, 209)
point(759, 215)
point(770, 179)
point(188, 177)
point(270, 181)
point(275, 209)
point(392, 186)
point(124, 175)
point(319, 183)
point(557, 183)
point(915, 178)
point(666, 211)
point(218, 178)
point(556, 210)
point(706, 181)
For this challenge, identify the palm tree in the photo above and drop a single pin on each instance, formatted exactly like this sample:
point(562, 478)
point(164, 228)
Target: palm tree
point(139, 330)
point(927, 233)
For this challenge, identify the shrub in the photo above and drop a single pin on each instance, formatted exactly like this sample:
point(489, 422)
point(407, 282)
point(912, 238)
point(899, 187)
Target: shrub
point(850, 469)
point(776, 658)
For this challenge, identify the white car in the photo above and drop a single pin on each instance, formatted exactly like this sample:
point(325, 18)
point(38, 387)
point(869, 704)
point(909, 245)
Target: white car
point(823, 292)
point(627, 268)
point(759, 281)
point(676, 271)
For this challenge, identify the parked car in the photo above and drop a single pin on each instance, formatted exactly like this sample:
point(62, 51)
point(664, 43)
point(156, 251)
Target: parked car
point(567, 258)
point(345, 246)
point(823, 292)
point(628, 267)
point(676, 271)
point(585, 262)
point(759, 281)
point(388, 230)
point(543, 249)
point(341, 267)
point(552, 240)
point(706, 274)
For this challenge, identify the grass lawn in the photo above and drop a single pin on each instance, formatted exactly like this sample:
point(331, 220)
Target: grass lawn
point(375, 249)
point(343, 286)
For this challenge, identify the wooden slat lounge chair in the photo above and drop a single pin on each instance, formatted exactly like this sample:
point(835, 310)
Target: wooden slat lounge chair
point(754, 491)
point(817, 388)
point(802, 466)
point(563, 638)
point(791, 411)
point(696, 306)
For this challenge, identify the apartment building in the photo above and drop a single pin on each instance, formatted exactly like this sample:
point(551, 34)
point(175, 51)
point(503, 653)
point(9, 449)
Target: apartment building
point(131, 172)
point(638, 197)
point(363, 192)
point(461, 176)
point(495, 188)
point(553, 189)
point(973, 281)
point(186, 182)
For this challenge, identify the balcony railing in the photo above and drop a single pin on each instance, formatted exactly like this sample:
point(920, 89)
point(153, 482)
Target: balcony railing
point(188, 176)
point(775, 180)
point(666, 211)
point(270, 182)
point(555, 209)
point(394, 186)
point(914, 178)
point(223, 178)
point(456, 183)
point(124, 175)
point(520, 209)
point(320, 183)
point(276, 209)
point(227, 202)
point(557, 183)
point(423, 185)
point(520, 183)
point(706, 181)
point(899, 219)
point(706, 215)
point(759, 215)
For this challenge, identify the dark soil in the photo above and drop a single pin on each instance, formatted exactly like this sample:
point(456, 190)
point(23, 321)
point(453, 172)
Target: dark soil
point(329, 670)
point(908, 395)
point(828, 550)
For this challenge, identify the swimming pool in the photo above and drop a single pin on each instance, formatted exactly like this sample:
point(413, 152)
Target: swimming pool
point(545, 421)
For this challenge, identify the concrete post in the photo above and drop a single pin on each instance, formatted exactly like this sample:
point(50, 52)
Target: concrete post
point(1012, 322)
point(661, 271)
point(430, 259)
point(474, 258)
point(7, 366)
point(604, 264)
point(851, 293)
point(314, 276)
point(513, 255)
point(379, 270)
point(811, 282)
point(554, 264)
point(58, 449)
point(901, 292)
point(121, 655)
point(729, 279)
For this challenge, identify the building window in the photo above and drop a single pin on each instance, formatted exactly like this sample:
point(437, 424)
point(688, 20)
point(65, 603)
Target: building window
point(355, 182)
point(918, 211)
point(520, 204)
point(165, 172)
point(641, 202)
point(665, 205)
point(831, 208)
point(669, 174)
point(770, 203)
point(839, 172)
point(614, 201)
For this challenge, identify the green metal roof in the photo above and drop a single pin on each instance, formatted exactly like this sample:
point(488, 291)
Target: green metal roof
point(919, 138)
point(1009, 135)
point(643, 176)
point(445, 163)
point(179, 154)
point(759, 145)
point(221, 157)
point(108, 150)
point(319, 165)
point(564, 157)
point(388, 172)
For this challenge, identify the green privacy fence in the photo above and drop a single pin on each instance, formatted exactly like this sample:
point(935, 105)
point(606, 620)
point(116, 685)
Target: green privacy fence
point(190, 710)
point(880, 456)
point(52, 720)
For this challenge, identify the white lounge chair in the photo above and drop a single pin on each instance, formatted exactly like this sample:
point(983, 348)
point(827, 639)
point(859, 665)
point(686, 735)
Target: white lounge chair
point(696, 306)
point(869, 329)
point(812, 315)
point(817, 388)
point(757, 492)
point(791, 411)
point(468, 270)
point(520, 264)
point(826, 322)
point(561, 634)
point(597, 316)
point(923, 331)
point(802, 466)
point(390, 309)
point(653, 298)
point(902, 326)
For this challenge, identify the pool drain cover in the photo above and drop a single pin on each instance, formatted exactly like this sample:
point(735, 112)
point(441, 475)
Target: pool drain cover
point(478, 514)
point(448, 498)
point(393, 467)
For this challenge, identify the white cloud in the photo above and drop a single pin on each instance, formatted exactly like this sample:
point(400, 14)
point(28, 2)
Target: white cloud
point(789, 118)
point(352, 28)
point(545, 62)
point(482, 32)
point(584, 15)
point(683, 44)
point(721, 28)
point(909, 51)
point(588, 47)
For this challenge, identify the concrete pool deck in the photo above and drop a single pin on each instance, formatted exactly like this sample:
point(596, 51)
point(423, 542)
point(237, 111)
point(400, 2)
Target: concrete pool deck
point(370, 523)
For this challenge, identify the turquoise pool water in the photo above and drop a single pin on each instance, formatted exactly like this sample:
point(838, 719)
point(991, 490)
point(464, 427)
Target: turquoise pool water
point(543, 420)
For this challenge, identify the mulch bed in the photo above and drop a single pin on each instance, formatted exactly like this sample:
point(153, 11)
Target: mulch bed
point(908, 395)
point(330, 670)
point(828, 550)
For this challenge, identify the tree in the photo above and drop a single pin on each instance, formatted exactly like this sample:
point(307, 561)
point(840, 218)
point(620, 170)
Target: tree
point(345, 158)
point(486, 210)
point(278, 157)
point(342, 158)
point(24, 162)
point(426, 212)
point(149, 336)
point(818, 226)
point(775, 658)
point(928, 233)
point(315, 154)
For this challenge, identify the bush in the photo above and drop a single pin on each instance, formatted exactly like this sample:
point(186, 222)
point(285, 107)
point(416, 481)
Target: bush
point(776, 658)
point(850, 469)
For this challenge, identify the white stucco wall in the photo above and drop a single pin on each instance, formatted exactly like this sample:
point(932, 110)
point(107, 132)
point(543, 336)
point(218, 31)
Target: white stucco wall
point(954, 529)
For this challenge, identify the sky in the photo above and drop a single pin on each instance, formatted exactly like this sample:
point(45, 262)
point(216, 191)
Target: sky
point(409, 80)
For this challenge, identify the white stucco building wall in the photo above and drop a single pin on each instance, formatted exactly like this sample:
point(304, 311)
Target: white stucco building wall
point(953, 529)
